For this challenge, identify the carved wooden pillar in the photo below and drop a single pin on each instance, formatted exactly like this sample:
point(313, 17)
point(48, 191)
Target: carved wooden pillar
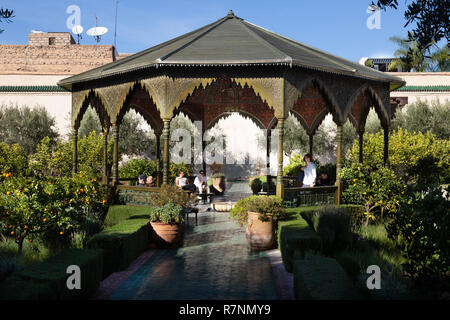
point(280, 186)
point(338, 163)
point(115, 132)
point(311, 143)
point(268, 142)
point(361, 145)
point(203, 155)
point(166, 134)
point(105, 156)
point(386, 145)
point(158, 159)
point(75, 150)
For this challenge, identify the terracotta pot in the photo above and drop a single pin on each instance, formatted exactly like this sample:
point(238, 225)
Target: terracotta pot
point(260, 234)
point(167, 234)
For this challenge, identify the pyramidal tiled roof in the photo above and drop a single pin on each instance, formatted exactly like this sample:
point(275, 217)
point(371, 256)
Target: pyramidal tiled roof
point(232, 41)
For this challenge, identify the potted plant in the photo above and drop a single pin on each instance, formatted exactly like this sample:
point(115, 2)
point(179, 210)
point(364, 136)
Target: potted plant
point(260, 213)
point(167, 214)
point(167, 222)
point(255, 184)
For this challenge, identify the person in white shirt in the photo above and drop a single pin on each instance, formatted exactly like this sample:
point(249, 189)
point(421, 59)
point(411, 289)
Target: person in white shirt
point(310, 174)
point(182, 182)
point(201, 183)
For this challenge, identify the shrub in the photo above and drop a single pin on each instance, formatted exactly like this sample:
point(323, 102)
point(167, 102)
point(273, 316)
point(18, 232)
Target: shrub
point(168, 213)
point(135, 167)
point(47, 280)
point(411, 155)
point(379, 190)
point(119, 213)
point(255, 184)
point(55, 207)
point(322, 278)
point(296, 235)
point(264, 205)
point(13, 160)
point(422, 229)
point(121, 243)
point(296, 162)
point(333, 225)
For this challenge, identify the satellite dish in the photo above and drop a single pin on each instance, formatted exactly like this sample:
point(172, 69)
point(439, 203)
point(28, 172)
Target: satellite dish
point(78, 30)
point(97, 32)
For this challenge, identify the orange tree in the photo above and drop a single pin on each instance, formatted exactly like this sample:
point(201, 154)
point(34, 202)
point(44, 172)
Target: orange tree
point(29, 206)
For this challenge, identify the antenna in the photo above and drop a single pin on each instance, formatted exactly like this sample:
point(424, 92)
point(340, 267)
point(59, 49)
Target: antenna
point(78, 30)
point(97, 31)
point(115, 26)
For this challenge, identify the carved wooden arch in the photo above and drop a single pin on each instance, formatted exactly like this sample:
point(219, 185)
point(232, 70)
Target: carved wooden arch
point(168, 93)
point(295, 91)
point(97, 102)
point(372, 100)
point(149, 111)
point(312, 105)
point(244, 114)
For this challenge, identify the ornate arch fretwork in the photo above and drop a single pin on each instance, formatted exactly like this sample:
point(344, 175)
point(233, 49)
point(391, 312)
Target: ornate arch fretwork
point(114, 97)
point(271, 91)
point(311, 108)
point(140, 101)
point(363, 99)
point(81, 100)
point(169, 93)
point(296, 83)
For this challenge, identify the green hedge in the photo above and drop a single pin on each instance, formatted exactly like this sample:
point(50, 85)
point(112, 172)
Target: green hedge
point(122, 243)
point(322, 278)
point(296, 235)
point(354, 211)
point(120, 213)
point(47, 280)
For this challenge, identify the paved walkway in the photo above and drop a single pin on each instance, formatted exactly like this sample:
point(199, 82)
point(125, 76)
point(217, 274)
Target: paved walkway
point(214, 262)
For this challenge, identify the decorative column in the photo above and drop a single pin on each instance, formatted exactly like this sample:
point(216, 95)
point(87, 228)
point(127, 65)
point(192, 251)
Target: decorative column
point(361, 145)
point(280, 186)
point(158, 159)
point(166, 134)
point(311, 142)
point(115, 132)
point(75, 150)
point(268, 142)
point(386, 145)
point(338, 163)
point(203, 155)
point(105, 155)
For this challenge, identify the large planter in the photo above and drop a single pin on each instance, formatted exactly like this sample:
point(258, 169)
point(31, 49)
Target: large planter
point(223, 206)
point(218, 185)
point(167, 234)
point(260, 234)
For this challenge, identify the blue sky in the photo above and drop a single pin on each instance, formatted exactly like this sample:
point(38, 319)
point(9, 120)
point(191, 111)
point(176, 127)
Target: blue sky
point(338, 27)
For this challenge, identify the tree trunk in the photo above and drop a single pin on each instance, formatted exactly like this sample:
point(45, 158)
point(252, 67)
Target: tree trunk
point(20, 244)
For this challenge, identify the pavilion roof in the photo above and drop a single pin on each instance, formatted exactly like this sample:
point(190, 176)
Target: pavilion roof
point(232, 41)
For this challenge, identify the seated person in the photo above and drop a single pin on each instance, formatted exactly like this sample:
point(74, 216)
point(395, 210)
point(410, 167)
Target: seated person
point(142, 179)
point(201, 183)
point(309, 170)
point(182, 182)
point(323, 180)
point(150, 181)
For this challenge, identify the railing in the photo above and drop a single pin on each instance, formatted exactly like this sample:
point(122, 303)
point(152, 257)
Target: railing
point(297, 196)
point(133, 195)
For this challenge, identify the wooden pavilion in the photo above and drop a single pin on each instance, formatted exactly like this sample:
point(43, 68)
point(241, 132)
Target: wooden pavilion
point(231, 65)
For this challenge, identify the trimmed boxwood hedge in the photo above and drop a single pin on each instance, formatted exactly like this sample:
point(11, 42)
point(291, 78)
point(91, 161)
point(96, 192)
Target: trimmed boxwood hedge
point(322, 278)
point(296, 235)
point(122, 243)
point(47, 280)
point(120, 213)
